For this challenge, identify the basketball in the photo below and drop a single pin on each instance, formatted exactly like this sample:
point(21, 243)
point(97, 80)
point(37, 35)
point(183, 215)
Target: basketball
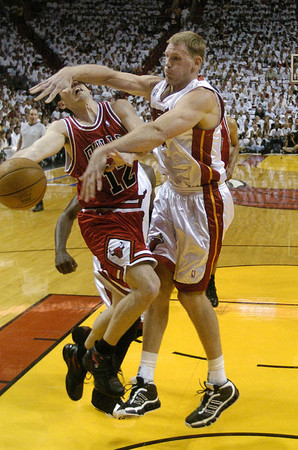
point(22, 183)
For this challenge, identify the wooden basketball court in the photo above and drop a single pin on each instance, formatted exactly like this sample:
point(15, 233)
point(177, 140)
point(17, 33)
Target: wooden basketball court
point(257, 284)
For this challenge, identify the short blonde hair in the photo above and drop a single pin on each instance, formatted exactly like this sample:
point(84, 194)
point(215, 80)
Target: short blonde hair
point(194, 43)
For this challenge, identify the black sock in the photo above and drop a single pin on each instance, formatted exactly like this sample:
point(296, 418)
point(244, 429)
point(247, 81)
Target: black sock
point(125, 341)
point(103, 347)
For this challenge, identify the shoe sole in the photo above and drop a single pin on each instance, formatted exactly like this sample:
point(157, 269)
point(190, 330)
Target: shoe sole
point(122, 414)
point(210, 421)
point(102, 411)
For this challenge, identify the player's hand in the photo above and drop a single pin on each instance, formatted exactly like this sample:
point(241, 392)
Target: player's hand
point(92, 177)
point(65, 263)
point(121, 158)
point(229, 174)
point(53, 85)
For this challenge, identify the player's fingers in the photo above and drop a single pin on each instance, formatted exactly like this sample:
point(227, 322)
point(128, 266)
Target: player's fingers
point(84, 194)
point(98, 182)
point(59, 268)
point(38, 87)
point(50, 92)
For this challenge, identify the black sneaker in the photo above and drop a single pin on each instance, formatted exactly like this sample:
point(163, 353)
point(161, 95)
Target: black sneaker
point(104, 371)
point(216, 399)
point(74, 380)
point(211, 292)
point(105, 404)
point(80, 334)
point(143, 398)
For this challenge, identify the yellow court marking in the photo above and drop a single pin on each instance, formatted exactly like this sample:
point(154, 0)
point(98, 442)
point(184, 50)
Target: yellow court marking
point(287, 163)
point(260, 348)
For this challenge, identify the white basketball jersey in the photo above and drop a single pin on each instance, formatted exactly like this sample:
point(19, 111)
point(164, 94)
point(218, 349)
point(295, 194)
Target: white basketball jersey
point(191, 159)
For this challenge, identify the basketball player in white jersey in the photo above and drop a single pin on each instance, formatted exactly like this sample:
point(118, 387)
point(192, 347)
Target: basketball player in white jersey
point(192, 211)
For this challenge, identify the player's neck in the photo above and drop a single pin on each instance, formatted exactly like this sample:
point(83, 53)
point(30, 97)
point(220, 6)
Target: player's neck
point(87, 113)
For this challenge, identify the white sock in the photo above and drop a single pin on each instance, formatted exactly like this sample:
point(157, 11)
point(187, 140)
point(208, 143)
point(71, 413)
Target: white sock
point(147, 366)
point(216, 371)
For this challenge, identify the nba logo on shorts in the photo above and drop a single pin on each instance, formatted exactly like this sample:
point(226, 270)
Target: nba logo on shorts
point(193, 274)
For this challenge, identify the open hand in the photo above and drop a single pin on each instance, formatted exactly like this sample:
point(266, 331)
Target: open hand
point(92, 177)
point(53, 85)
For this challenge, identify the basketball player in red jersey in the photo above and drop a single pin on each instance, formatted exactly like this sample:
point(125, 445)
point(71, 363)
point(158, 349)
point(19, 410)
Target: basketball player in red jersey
point(65, 264)
point(191, 213)
point(112, 226)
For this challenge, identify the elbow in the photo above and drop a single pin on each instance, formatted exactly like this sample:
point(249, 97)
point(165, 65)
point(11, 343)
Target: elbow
point(160, 134)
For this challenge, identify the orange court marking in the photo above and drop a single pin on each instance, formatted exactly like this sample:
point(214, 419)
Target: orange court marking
point(31, 335)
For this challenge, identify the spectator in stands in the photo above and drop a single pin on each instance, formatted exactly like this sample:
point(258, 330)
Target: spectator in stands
point(3, 140)
point(260, 111)
point(291, 143)
point(30, 132)
point(276, 137)
point(56, 113)
point(255, 139)
point(15, 136)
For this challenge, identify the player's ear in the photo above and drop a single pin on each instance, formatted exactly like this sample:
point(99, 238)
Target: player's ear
point(61, 104)
point(198, 61)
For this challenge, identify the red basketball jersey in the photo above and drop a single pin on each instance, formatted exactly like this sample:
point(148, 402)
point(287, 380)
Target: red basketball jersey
point(120, 186)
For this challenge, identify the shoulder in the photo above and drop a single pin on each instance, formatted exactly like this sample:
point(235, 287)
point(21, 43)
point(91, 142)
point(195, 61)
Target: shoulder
point(58, 126)
point(199, 97)
point(120, 104)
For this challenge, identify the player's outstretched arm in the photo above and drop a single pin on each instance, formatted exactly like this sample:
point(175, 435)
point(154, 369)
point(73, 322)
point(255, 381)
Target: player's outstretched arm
point(186, 114)
point(96, 75)
point(234, 146)
point(48, 145)
point(64, 262)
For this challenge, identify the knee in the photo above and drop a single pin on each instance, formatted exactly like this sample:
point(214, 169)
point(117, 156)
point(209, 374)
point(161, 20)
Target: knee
point(150, 286)
point(191, 300)
point(145, 285)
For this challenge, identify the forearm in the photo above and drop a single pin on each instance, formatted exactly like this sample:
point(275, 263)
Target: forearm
point(29, 153)
point(62, 232)
point(141, 140)
point(88, 73)
point(234, 152)
point(46, 146)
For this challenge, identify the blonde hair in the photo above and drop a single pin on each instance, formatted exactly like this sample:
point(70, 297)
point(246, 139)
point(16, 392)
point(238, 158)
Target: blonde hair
point(194, 43)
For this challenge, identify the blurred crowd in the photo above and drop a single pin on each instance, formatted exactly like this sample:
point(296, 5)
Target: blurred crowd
point(249, 47)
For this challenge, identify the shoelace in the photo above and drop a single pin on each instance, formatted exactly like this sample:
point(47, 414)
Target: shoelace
point(128, 387)
point(203, 389)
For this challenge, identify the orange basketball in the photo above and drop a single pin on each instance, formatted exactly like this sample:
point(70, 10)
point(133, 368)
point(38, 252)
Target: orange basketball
point(22, 183)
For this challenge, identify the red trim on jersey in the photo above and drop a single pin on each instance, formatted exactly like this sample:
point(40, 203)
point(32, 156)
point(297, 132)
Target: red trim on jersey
point(96, 124)
point(165, 262)
point(214, 210)
point(114, 115)
point(201, 152)
point(125, 289)
point(187, 287)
